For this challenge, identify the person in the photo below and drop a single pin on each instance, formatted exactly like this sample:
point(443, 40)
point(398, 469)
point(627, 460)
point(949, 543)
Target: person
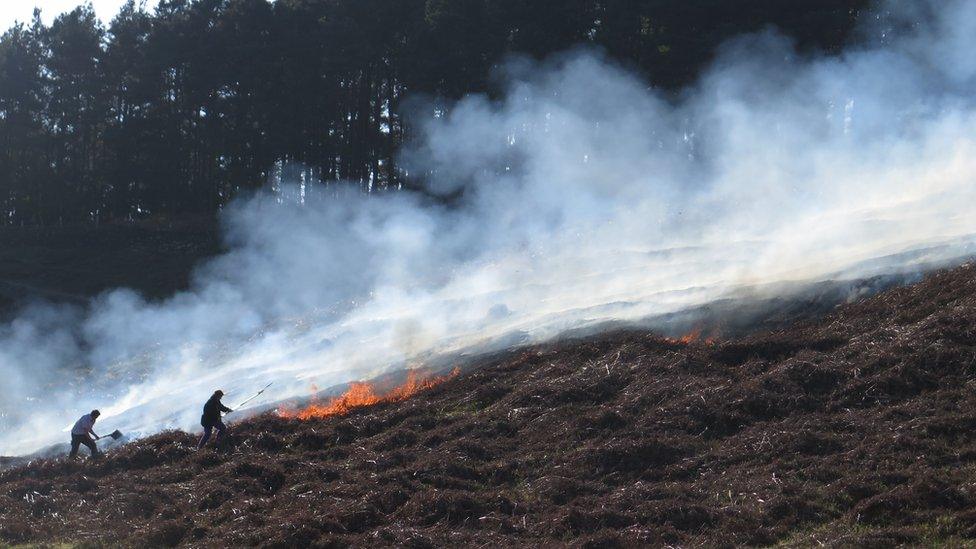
point(211, 418)
point(82, 432)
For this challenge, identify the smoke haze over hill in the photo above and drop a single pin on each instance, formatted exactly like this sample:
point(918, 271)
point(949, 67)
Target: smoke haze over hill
point(583, 197)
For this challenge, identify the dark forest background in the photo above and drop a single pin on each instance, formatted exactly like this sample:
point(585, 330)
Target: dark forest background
point(172, 112)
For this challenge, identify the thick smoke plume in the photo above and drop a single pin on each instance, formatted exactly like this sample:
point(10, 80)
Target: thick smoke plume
point(584, 197)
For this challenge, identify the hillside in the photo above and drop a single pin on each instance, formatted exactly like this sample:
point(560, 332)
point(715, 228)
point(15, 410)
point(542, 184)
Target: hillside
point(854, 429)
point(73, 264)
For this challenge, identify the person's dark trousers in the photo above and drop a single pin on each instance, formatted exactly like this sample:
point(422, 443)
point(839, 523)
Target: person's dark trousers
point(207, 429)
point(78, 440)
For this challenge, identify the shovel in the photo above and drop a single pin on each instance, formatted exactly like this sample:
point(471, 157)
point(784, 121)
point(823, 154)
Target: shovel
point(114, 435)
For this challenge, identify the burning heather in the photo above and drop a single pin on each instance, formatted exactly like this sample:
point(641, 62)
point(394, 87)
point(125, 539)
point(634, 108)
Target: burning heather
point(849, 431)
point(696, 335)
point(362, 394)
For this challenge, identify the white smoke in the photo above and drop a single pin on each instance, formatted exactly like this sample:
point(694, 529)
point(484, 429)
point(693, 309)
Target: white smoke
point(584, 197)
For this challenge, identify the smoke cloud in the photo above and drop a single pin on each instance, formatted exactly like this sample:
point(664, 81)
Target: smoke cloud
point(584, 197)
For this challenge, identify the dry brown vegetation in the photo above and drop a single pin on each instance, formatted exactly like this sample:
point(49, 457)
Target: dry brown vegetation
point(854, 430)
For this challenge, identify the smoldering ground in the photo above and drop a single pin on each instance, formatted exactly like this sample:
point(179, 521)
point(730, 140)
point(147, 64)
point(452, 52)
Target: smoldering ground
point(581, 196)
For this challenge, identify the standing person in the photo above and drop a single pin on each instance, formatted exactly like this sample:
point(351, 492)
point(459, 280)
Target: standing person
point(211, 418)
point(82, 432)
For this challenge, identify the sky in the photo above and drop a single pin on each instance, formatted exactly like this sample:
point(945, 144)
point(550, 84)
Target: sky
point(22, 10)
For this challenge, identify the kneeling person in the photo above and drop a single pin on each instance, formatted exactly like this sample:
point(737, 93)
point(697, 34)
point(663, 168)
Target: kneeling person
point(82, 432)
point(211, 418)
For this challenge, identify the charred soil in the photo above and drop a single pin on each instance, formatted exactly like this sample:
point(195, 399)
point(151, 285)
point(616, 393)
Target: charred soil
point(857, 429)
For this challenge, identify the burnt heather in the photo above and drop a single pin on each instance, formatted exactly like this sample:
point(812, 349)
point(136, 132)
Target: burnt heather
point(854, 429)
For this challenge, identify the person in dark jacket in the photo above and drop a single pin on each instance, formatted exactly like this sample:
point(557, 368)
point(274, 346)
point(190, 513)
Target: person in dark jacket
point(211, 418)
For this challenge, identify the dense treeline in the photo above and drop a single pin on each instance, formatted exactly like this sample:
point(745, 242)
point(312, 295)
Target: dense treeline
point(176, 110)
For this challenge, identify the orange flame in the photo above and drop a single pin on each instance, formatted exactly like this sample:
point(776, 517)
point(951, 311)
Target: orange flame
point(694, 336)
point(362, 394)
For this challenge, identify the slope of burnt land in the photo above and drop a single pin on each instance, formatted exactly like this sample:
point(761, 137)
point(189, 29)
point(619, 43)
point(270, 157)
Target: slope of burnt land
point(74, 264)
point(856, 429)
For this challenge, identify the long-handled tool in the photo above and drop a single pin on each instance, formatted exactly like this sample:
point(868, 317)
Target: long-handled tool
point(255, 396)
point(114, 435)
